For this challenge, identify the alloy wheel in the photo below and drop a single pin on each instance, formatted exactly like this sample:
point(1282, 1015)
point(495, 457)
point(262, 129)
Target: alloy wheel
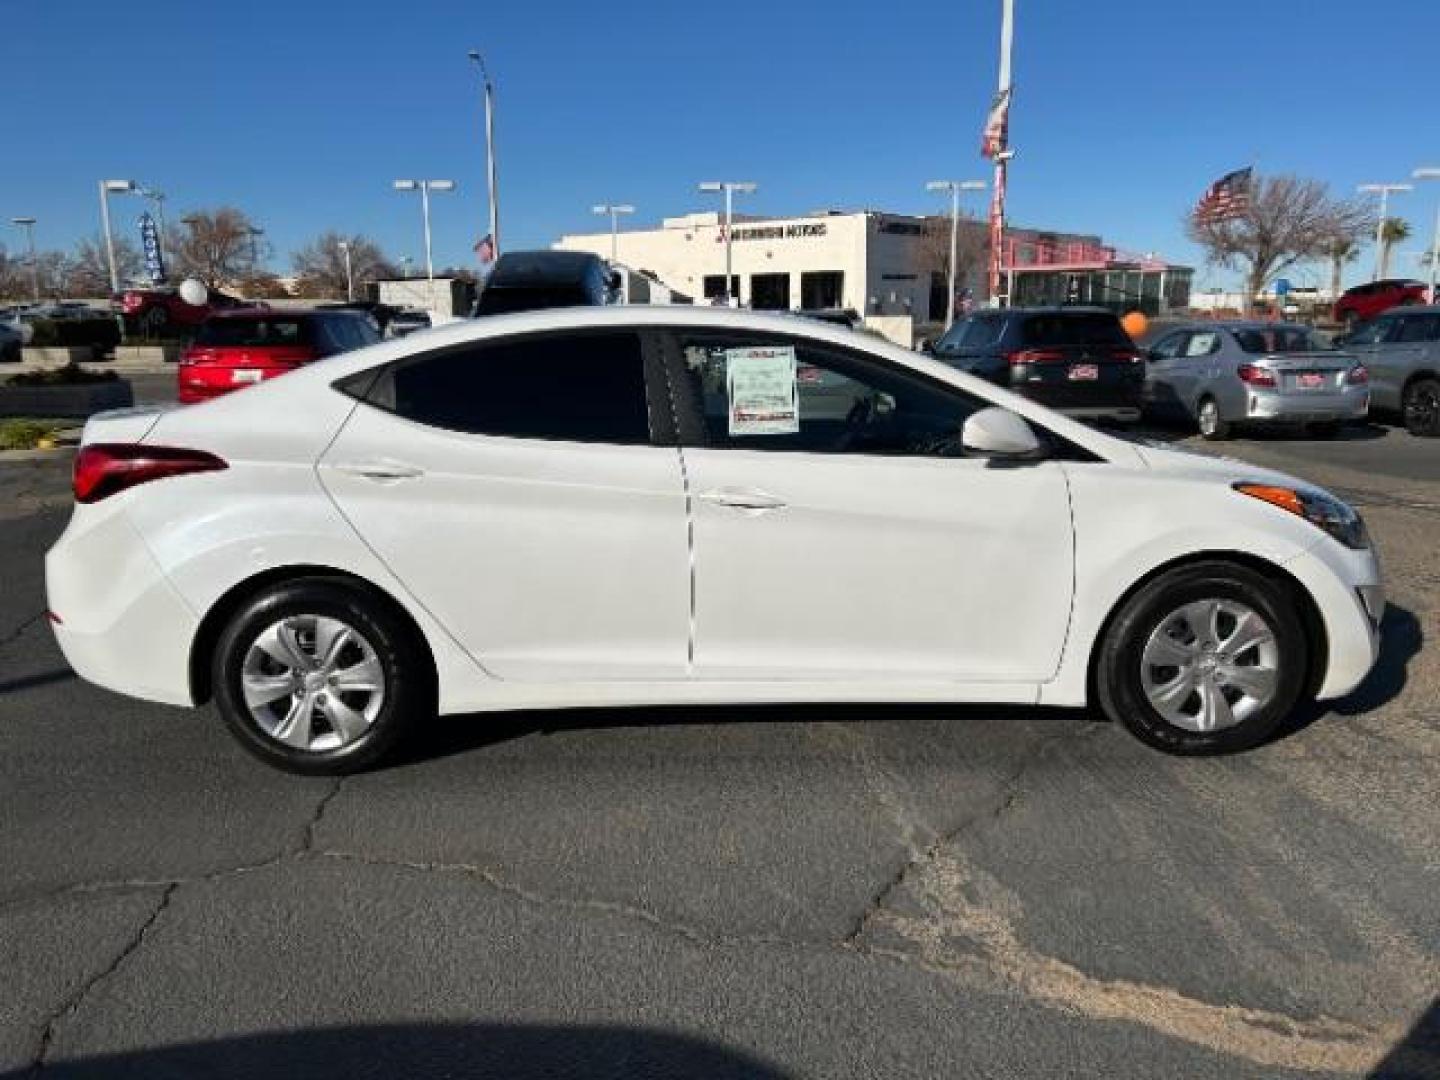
point(1209, 418)
point(1210, 664)
point(312, 682)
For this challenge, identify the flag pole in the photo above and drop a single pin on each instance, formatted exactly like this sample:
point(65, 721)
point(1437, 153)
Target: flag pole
point(1002, 153)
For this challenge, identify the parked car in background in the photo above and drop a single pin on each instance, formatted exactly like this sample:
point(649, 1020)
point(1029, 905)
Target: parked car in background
point(407, 321)
point(1220, 374)
point(1078, 360)
point(154, 312)
point(235, 349)
point(378, 313)
point(1369, 300)
point(1402, 350)
point(529, 280)
point(10, 344)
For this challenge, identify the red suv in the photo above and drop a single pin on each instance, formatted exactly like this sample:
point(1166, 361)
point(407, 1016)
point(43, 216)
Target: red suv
point(234, 349)
point(1364, 302)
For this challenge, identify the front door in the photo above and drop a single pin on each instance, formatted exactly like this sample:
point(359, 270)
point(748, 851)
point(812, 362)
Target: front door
point(839, 533)
point(513, 488)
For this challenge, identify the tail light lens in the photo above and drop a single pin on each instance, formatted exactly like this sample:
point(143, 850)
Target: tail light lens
point(1034, 356)
point(102, 469)
point(1251, 375)
point(1359, 375)
point(1127, 354)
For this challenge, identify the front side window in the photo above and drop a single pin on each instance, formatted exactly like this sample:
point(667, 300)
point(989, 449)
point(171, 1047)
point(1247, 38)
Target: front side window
point(786, 394)
point(582, 387)
point(1372, 333)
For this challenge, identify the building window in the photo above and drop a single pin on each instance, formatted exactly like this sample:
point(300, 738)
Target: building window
point(821, 289)
point(770, 292)
point(715, 286)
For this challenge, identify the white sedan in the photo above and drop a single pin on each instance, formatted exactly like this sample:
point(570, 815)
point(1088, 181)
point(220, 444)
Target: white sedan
point(606, 506)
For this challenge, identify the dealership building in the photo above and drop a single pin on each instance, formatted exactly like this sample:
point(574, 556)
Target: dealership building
point(880, 264)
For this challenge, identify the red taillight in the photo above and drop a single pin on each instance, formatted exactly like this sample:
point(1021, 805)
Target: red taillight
point(1251, 375)
point(1034, 356)
point(130, 302)
point(102, 469)
point(1127, 354)
point(1359, 375)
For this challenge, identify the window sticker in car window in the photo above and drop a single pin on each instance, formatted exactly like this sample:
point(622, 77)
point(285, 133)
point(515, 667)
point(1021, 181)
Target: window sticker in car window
point(1201, 344)
point(763, 390)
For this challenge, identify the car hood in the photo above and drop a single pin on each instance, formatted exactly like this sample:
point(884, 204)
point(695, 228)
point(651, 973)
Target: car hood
point(1183, 462)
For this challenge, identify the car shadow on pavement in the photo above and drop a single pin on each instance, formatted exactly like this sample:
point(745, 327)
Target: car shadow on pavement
point(512, 1051)
point(1417, 1056)
point(1167, 430)
point(44, 678)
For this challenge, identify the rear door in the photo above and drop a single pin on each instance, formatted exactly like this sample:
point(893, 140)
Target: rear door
point(1412, 346)
point(1162, 372)
point(527, 493)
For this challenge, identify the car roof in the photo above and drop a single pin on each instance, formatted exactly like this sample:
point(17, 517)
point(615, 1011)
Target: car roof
point(1238, 324)
point(519, 269)
point(1052, 309)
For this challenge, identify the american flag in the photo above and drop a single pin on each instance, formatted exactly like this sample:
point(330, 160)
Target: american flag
point(1225, 199)
point(485, 249)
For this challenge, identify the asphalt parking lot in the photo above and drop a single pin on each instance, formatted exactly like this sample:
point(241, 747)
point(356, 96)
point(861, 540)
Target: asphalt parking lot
point(787, 892)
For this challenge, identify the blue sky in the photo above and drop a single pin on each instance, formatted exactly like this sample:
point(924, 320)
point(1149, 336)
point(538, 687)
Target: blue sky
point(302, 113)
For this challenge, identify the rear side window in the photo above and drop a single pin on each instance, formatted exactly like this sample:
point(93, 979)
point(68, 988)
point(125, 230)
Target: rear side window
point(1074, 328)
point(1281, 339)
point(1419, 328)
point(570, 387)
point(255, 333)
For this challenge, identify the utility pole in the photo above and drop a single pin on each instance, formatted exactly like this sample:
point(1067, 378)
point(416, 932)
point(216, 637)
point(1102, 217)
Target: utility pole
point(614, 211)
point(954, 187)
point(28, 224)
point(729, 187)
point(1003, 153)
point(106, 187)
point(1383, 190)
point(1432, 174)
point(490, 166)
point(344, 246)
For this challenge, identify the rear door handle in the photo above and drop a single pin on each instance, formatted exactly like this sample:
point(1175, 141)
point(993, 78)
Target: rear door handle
point(750, 499)
point(381, 470)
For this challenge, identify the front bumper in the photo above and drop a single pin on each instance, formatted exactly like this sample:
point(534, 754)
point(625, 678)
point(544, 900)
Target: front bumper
point(1350, 595)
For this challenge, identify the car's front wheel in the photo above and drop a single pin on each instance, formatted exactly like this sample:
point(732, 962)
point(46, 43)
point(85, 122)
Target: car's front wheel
point(1204, 659)
point(316, 676)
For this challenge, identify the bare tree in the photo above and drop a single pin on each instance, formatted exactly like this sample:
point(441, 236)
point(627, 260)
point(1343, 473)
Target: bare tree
point(970, 245)
point(217, 246)
point(320, 265)
point(1287, 220)
point(87, 271)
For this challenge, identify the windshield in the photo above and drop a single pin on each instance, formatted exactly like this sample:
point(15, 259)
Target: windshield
point(254, 333)
point(1282, 339)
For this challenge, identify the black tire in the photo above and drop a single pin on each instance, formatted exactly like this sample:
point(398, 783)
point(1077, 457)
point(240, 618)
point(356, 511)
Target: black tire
point(1211, 431)
point(1118, 665)
point(408, 696)
point(1421, 407)
point(1323, 429)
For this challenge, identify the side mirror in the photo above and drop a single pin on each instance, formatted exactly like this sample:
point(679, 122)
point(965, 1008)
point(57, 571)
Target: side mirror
point(999, 433)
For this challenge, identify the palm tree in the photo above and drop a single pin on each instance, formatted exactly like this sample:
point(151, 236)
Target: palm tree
point(1394, 231)
point(1341, 250)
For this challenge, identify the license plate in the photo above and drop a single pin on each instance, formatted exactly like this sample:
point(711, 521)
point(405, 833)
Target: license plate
point(1085, 371)
point(245, 375)
point(1310, 380)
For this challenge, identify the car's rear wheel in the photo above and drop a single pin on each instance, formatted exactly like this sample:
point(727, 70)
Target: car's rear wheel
point(1421, 407)
point(316, 676)
point(1206, 658)
point(1208, 419)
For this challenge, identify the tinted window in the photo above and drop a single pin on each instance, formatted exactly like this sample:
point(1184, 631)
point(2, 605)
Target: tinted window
point(1372, 333)
point(1419, 328)
point(255, 333)
point(1168, 348)
point(816, 400)
point(1074, 328)
point(497, 299)
point(1281, 339)
point(575, 387)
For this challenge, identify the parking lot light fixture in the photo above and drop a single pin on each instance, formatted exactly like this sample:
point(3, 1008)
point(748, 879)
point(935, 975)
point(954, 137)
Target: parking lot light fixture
point(107, 188)
point(491, 174)
point(614, 210)
point(425, 187)
point(344, 246)
point(1432, 174)
point(1383, 190)
point(954, 187)
point(730, 188)
point(28, 224)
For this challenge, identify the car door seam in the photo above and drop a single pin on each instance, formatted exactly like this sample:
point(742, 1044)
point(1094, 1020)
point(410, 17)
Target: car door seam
point(666, 343)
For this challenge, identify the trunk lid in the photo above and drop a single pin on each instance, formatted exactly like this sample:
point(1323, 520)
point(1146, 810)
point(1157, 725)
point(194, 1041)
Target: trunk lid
point(123, 425)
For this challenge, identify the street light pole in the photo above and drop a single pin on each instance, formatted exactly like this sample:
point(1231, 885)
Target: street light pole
point(729, 187)
point(425, 187)
point(1383, 190)
point(614, 211)
point(490, 168)
point(344, 246)
point(954, 187)
point(1003, 153)
point(28, 224)
point(1432, 174)
point(106, 187)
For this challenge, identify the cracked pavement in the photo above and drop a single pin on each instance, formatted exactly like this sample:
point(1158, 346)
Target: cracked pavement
point(778, 892)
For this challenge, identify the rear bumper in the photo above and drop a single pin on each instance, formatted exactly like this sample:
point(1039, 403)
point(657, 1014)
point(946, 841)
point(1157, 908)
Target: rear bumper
point(121, 623)
point(1262, 406)
point(201, 382)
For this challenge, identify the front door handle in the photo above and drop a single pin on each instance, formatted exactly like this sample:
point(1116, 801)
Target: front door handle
point(381, 470)
point(747, 499)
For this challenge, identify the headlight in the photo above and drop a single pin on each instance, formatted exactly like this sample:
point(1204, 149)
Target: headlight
point(1332, 515)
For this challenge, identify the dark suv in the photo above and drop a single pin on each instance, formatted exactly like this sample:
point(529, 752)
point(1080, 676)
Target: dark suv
point(1078, 360)
point(527, 280)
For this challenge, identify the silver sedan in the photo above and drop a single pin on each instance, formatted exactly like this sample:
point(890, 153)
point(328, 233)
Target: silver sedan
point(1220, 374)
